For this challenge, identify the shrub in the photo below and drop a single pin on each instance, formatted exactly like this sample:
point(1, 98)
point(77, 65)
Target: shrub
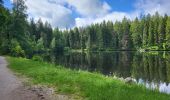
point(16, 49)
point(37, 58)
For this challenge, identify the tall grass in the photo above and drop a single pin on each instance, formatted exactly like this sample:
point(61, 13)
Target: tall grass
point(90, 86)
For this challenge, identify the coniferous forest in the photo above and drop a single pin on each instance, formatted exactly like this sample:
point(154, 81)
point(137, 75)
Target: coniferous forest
point(20, 36)
point(108, 60)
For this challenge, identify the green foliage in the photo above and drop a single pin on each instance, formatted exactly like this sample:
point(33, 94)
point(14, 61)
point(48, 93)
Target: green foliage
point(38, 37)
point(16, 49)
point(156, 22)
point(58, 41)
point(136, 33)
point(37, 58)
point(66, 49)
point(126, 39)
point(153, 48)
point(40, 45)
point(53, 43)
point(168, 33)
point(4, 48)
point(161, 32)
point(47, 35)
point(151, 33)
point(4, 22)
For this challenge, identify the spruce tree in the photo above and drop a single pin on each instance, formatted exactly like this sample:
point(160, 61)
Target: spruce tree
point(168, 33)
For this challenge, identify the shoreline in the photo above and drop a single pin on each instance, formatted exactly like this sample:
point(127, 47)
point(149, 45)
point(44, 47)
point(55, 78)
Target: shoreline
point(82, 84)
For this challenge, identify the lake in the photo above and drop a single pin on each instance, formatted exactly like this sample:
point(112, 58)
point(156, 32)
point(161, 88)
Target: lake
point(151, 69)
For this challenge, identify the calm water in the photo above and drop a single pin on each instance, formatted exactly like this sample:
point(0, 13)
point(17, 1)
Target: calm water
point(151, 69)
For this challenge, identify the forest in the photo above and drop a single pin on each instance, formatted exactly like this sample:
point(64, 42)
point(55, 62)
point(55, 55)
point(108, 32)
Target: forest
point(20, 36)
point(110, 60)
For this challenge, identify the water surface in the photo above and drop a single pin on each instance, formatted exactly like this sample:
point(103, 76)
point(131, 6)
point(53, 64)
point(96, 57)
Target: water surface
point(151, 69)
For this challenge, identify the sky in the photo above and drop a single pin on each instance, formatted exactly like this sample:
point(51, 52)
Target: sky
point(71, 13)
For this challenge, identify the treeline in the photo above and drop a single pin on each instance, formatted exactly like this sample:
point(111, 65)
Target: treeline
point(20, 37)
point(148, 33)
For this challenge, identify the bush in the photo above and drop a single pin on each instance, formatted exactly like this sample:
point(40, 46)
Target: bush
point(37, 58)
point(16, 49)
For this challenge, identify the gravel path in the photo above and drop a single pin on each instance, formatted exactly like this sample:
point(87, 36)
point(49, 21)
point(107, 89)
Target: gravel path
point(11, 88)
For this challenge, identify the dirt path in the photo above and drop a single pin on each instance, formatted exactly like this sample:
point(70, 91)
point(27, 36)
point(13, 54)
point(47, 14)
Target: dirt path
point(10, 86)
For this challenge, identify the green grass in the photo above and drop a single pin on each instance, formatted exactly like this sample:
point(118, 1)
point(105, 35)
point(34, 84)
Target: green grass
point(90, 86)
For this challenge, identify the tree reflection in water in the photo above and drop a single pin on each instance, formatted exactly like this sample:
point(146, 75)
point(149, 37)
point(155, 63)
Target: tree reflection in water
point(150, 68)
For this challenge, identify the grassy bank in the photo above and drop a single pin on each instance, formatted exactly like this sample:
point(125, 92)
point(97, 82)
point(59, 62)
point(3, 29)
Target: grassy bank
point(91, 86)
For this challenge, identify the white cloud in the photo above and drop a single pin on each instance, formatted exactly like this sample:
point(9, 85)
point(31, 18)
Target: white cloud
point(56, 12)
point(83, 21)
point(114, 16)
point(52, 11)
point(58, 15)
point(90, 8)
point(151, 6)
point(142, 6)
point(60, 12)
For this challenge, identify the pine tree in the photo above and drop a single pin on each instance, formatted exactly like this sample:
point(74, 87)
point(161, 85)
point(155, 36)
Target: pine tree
point(5, 19)
point(32, 29)
point(156, 19)
point(168, 33)
point(145, 31)
point(71, 39)
point(82, 39)
point(19, 19)
point(47, 34)
point(151, 33)
point(77, 38)
point(100, 39)
point(161, 32)
point(19, 25)
point(135, 32)
point(119, 33)
point(40, 29)
point(126, 39)
point(109, 34)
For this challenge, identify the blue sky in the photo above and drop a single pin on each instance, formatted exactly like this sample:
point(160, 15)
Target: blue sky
point(7, 3)
point(70, 13)
point(121, 5)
